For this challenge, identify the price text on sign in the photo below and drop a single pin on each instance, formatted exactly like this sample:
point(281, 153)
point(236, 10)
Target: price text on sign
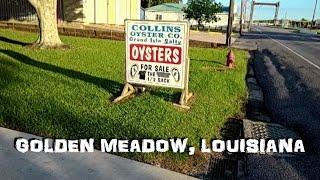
point(156, 53)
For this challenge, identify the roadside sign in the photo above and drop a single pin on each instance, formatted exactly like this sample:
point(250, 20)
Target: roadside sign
point(156, 53)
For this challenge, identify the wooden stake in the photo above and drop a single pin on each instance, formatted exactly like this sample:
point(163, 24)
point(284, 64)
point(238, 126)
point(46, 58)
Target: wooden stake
point(185, 95)
point(127, 91)
point(184, 98)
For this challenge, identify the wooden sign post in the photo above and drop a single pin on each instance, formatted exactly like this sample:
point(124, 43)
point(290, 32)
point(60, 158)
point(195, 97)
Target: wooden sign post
point(157, 55)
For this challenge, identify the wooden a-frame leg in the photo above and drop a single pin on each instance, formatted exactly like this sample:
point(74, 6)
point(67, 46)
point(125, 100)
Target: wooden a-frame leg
point(184, 98)
point(127, 91)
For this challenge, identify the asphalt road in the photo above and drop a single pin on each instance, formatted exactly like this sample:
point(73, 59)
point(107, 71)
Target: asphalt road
point(290, 79)
point(287, 67)
point(305, 46)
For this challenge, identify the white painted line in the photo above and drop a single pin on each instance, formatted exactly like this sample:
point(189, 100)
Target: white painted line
point(294, 52)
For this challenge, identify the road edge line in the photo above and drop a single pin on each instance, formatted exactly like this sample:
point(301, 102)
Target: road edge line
point(296, 53)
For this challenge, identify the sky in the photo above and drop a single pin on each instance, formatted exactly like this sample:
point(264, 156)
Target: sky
point(289, 9)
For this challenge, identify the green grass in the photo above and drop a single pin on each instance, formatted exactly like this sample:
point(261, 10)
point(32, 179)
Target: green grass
point(68, 93)
point(317, 31)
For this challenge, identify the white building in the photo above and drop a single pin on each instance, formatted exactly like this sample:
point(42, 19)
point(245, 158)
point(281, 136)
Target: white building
point(165, 11)
point(174, 12)
point(101, 11)
point(222, 19)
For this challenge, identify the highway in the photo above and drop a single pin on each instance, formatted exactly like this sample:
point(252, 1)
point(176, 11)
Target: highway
point(290, 79)
point(305, 46)
point(287, 67)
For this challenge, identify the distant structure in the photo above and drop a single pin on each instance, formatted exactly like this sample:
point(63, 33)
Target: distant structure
point(109, 11)
point(175, 12)
point(254, 3)
point(318, 23)
point(166, 11)
point(82, 11)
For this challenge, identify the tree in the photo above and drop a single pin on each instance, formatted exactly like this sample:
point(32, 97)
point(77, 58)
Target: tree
point(47, 16)
point(203, 11)
point(149, 3)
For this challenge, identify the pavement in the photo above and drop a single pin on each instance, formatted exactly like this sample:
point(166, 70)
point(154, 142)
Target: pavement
point(287, 68)
point(212, 37)
point(290, 79)
point(203, 36)
point(96, 165)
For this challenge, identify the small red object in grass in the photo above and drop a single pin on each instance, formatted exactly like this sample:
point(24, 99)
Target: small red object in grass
point(231, 58)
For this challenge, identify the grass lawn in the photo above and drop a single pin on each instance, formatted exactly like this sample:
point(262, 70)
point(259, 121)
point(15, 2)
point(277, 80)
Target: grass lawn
point(317, 31)
point(68, 94)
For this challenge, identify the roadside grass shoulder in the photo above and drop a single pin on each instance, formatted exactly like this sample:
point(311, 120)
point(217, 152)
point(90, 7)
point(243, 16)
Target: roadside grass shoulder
point(68, 93)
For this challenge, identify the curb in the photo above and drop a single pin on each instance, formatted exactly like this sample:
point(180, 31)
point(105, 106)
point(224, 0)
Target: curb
point(259, 126)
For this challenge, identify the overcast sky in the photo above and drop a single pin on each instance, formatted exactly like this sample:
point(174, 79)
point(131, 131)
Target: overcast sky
point(292, 9)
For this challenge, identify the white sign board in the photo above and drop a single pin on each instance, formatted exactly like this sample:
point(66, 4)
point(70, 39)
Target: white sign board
point(156, 53)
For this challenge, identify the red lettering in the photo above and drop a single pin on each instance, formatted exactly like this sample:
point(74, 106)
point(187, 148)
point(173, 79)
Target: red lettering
point(158, 54)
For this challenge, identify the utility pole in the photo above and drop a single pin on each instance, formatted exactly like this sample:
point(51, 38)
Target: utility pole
point(245, 12)
point(251, 15)
point(230, 20)
point(241, 17)
point(149, 3)
point(276, 14)
point(314, 12)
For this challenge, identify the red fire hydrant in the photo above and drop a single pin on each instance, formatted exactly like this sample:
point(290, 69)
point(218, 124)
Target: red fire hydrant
point(231, 58)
